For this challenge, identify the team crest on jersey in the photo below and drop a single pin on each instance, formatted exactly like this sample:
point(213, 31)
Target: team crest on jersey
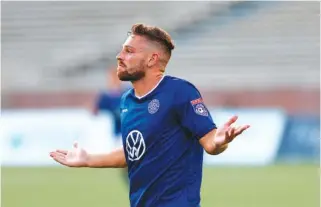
point(153, 106)
point(199, 107)
point(135, 145)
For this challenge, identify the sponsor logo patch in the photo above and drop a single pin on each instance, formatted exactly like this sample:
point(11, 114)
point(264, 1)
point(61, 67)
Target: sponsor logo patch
point(199, 107)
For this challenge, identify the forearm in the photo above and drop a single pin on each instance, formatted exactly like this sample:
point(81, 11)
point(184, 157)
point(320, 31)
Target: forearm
point(114, 159)
point(209, 146)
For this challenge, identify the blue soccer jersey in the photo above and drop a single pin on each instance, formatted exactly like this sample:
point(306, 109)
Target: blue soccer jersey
point(161, 133)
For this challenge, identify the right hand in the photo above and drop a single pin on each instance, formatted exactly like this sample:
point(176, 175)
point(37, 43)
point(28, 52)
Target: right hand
point(77, 157)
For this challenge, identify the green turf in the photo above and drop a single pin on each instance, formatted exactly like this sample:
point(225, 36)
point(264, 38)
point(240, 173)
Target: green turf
point(274, 186)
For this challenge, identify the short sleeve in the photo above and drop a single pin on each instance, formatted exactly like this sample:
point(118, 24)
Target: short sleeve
point(192, 112)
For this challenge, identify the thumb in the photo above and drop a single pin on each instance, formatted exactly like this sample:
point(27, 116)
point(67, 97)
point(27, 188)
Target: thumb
point(75, 145)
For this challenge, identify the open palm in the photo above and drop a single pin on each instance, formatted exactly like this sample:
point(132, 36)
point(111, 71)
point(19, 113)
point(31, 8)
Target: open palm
point(227, 132)
point(76, 157)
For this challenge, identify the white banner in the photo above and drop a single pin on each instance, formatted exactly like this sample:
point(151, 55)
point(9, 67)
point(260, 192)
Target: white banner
point(256, 146)
point(27, 136)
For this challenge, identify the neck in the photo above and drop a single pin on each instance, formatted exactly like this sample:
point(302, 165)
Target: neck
point(146, 84)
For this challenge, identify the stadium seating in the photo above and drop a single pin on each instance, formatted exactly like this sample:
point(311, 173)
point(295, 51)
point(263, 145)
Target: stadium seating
point(267, 46)
point(40, 40)
point(219, 44)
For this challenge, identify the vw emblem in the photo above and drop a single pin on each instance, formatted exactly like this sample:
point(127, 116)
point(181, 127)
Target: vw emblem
point(135, 145)
point(153, 106)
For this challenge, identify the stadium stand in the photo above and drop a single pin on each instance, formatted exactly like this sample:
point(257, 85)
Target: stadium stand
point(43, 41)
point(233, 51)
point(266, 45)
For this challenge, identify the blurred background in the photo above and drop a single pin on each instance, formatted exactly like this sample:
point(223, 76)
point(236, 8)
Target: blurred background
point(259, 60)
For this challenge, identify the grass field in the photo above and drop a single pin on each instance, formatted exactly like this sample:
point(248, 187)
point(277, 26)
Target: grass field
point(274, 186)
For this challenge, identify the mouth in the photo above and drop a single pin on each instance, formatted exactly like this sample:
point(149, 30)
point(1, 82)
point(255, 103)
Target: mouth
point(121, 64)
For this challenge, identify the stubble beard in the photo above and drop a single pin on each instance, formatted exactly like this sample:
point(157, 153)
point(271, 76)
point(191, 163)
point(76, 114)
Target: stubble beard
point(133, 76)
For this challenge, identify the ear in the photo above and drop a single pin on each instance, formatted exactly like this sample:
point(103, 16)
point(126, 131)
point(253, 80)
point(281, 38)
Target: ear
point(153, 60)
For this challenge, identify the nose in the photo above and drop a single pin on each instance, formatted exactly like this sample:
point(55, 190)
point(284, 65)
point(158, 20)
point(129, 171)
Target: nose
point(118, 56)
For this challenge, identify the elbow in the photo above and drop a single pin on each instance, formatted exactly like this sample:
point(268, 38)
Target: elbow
point(210, 152)
point(210, 149)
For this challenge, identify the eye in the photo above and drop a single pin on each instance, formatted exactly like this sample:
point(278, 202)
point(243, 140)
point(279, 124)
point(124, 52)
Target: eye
point(128, 50)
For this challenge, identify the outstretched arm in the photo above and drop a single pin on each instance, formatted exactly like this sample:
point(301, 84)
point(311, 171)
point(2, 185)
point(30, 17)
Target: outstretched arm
point(78, 157)
point(197, 120)
point(114, 159)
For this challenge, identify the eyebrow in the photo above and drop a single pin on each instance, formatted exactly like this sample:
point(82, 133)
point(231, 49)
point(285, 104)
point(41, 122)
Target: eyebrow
point(132, 48)
point(128, 46)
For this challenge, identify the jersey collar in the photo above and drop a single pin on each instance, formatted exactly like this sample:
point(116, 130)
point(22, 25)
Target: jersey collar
point(153, 89)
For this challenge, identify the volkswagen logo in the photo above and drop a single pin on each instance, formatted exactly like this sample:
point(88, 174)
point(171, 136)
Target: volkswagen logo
point(135, 145)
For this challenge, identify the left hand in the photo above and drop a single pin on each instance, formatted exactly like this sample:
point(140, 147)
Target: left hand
point(227, 133)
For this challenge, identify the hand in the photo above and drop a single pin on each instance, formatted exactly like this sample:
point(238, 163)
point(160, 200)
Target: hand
point(227, 133)
point(77, 157)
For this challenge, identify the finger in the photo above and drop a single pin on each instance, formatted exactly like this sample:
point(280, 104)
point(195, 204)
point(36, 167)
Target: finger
point(238, 130)
point(60, 159)
point(57, 153)
point(62, 151)
point(75, 144)
point(226, 136)
point(231, 134)
point(231, 121)
point(241, 129)
point(52, 154)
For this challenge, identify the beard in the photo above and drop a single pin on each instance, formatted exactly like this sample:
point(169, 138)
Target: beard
point(134, 76)
point(131, 74)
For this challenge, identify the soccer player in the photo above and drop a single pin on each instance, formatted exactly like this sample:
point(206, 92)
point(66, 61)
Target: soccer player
point(166, 126)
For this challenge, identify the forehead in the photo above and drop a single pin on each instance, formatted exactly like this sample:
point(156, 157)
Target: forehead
point(135, 41)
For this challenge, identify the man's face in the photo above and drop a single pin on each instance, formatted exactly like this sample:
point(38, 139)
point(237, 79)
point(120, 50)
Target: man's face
point(132, 59)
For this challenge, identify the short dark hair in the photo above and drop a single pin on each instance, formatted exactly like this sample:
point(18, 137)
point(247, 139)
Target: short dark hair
point(154, 33)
